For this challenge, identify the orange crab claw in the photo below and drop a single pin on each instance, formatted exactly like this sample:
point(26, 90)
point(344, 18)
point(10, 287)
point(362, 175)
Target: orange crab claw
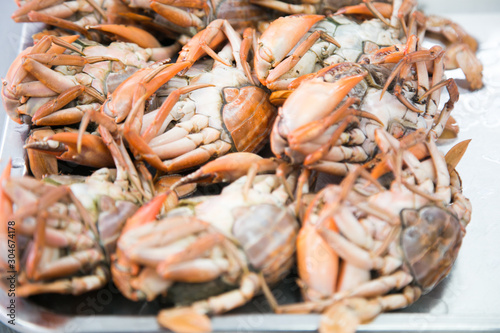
point(20, 14)
point(127, 94)
point(177, 16)
point(279, 39)
point(207, 40)
point(317, 262)
point(94, 152)
point(58, 22)
point(129, 33)
point(146, 213)
point(41, 164)
point(122, 268)
point(228, 168)
point(184, 319)
point(362, 9)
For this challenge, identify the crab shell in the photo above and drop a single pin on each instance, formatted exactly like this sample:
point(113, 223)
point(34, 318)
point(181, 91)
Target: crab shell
point(247, 117)
point(430, 241)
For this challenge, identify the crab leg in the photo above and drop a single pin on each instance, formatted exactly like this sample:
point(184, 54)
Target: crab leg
point(199, 4)
point(151, 132)
point(124, 165)
point(404, 10)
point(356, 255)
point(20, 14)
point(58, 238)
point(179, 146)
point(194, 318)
point(180, 130)
point(284, 66)
point(49, 45)
point(461, 56)
point(393, 54)
point(315, 129)
point(375, 9)
point(70, 116)
point(188, 143)
point(23, 191)
point(184, 145)
point(325, 149)
point(34, 89)
point(246, 45)
point(58, 22)
point(149, 244)
point(461, 53)
point(444, 114)
point(67, 265)
point(139, 87)
point(345, 316)
point(404, 65)
point(351, 276)
point(182, 266)
point(51, 59)
point(369, 288)
point(179, 16)
point(73, 236)
point(443, 190)
point(51, 79)
point(402, 69)
point(75, 286)
point(185, 152)
point(67, 116)
point(49, 197)
point(338, 152)
point(198, 156)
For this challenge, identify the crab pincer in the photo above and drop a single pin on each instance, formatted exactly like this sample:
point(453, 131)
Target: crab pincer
point(63, 145)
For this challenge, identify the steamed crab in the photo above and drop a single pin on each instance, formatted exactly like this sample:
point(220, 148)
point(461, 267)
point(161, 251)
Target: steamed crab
point(227, 240)
point(397, 236)
point(333, 140)
point(60, 71)
point(296, 45)
point(460, 46)
point(67, 226)
point(210, 110)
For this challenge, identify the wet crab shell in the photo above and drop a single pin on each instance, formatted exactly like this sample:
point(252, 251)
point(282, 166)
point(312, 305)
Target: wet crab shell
point(430, 242)
point(248, 117)
point(267, 234)
point(240, 13)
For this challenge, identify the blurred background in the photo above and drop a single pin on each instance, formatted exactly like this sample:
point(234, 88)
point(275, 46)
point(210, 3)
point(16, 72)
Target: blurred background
point(10, 39)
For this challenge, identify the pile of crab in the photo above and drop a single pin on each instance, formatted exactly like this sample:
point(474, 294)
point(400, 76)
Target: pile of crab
point(271, 107)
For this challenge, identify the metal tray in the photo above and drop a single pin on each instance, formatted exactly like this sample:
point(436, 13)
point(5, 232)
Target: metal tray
point(467, 300)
